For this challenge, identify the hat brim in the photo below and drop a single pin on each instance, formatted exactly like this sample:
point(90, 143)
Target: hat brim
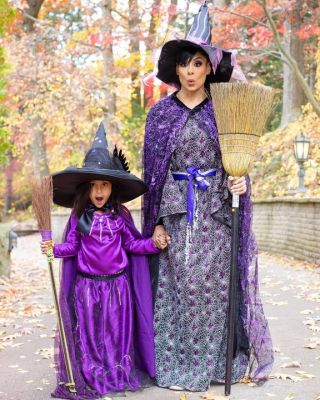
point(167, 62)
point(65, 184)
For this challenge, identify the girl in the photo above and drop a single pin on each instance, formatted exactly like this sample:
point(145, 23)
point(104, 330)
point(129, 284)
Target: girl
point(105, 296)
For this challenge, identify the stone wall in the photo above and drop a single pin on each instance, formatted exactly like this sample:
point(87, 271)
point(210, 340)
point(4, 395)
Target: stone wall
point(289, 227)
point(4, 254)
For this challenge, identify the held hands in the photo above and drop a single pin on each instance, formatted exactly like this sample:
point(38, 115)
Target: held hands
point(46, 246)
point(237, 185)
point(160, 237)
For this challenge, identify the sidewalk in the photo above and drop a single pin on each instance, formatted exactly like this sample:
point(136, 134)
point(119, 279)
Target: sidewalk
point(291, 294)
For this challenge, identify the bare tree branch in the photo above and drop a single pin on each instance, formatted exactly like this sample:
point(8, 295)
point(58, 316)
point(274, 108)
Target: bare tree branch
point(291, 61)
point(256, 21)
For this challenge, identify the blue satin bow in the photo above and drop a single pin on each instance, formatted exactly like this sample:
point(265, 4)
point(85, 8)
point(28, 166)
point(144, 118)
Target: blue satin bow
point(196, 178)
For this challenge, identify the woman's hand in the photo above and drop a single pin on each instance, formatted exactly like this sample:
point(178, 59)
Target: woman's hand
point(237, 185)
point(160, 237)
point(45, 246)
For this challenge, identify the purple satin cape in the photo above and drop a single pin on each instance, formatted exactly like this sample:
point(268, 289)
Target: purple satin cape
point(139, 275)
point(164, 123)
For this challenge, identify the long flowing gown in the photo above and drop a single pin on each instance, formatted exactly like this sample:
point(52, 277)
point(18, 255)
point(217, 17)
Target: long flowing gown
point(191, 304)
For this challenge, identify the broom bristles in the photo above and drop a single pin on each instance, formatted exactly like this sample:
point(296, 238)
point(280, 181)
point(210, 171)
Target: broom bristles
point(241, 111)
point(42, 201)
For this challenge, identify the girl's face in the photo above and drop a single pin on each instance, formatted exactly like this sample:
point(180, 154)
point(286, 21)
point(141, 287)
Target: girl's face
point(100, 192)
point(193, 74)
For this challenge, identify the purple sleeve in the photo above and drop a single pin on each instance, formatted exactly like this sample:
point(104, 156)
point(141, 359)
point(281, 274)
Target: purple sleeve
point(72, 244)
point(137, 246)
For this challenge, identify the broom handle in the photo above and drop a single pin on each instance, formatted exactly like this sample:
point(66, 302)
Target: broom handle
point(232, 292)
point(70, 385)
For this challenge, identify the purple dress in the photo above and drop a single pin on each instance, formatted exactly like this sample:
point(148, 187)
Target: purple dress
point(105, 337)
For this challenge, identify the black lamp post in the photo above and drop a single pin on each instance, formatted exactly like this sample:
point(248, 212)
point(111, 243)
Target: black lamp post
point(301, 152)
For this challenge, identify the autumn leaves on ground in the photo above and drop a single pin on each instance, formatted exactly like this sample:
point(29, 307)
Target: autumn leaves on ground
point(290, 291)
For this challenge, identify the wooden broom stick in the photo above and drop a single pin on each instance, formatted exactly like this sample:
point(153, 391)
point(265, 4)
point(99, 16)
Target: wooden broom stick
point(42, 194)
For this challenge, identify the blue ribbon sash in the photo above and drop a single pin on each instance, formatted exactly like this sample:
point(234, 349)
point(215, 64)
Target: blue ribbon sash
point(196, 179)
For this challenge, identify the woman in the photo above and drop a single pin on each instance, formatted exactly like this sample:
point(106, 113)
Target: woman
point(192, 275)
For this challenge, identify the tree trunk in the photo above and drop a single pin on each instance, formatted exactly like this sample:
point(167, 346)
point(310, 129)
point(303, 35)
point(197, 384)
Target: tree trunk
point(293, 95)
point(108, 71)
point(134, 49)
point(32, 11)
point(38, 150)
point(8, 193)
point(39, 154)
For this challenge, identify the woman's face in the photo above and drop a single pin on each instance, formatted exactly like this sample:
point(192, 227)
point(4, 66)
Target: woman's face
point(193, 74)
point(100, 192)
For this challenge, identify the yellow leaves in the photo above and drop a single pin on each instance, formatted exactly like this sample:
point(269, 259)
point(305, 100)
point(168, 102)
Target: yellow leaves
point(290, 396)
point(81, 35)
point(184, 396)
point(213, 396)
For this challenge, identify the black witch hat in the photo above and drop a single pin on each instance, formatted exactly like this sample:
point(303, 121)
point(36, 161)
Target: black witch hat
point(98, 164)
point(199, 37)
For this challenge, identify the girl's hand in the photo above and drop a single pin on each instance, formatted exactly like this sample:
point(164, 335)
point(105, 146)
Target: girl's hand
point(160, 237)
point(45, 246)
point(237, 185)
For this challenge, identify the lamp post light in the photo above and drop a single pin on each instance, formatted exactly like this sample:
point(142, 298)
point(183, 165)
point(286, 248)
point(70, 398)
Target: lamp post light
point(301, 152)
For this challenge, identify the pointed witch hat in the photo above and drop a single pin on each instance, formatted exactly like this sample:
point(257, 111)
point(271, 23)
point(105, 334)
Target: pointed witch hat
point(98, 164)
point(199, 36)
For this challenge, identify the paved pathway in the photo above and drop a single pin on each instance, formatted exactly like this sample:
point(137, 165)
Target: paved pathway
point(291, 293)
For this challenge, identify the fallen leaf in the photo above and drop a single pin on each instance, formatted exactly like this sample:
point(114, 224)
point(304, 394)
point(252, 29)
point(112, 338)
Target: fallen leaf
point(305, 375)
point(310, 346)
point(286, 377)
point(17, 345)
point(290, 396)
point(306, 312)
point(213, 396)
point(292, 364)
point(183, 397)
point(245, 380)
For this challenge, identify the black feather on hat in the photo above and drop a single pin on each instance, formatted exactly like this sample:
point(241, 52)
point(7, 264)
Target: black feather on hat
point(199, 37)
point(98, 164)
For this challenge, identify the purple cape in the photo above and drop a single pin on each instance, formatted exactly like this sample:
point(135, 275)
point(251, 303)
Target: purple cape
point(164, 123)
point(138, 272)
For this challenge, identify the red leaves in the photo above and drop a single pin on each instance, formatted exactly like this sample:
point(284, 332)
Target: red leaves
point(308, 31)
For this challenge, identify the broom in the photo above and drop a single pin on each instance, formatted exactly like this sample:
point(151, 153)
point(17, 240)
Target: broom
point(241, 111)
point(42, 194)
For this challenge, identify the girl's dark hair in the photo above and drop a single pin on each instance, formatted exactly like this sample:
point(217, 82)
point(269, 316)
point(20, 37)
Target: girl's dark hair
point(82, 199)
point(184, 56)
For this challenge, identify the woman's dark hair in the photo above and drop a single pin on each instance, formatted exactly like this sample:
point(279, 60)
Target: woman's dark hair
point(82, 199)
point(184, 56)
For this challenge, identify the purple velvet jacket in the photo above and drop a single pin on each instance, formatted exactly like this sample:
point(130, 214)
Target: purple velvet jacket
point(164, 123)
